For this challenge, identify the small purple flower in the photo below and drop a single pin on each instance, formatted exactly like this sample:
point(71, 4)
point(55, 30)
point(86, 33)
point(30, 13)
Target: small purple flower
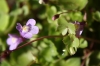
point(79, 27)
point(13, 41)
point(28, 30)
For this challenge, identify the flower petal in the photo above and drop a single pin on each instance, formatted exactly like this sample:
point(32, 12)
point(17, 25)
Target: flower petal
point(13, 39)
point(19, 27)
point(9, 41)
point(27, 35)
point(35, 30)
point(12, 47)
point(32, 22)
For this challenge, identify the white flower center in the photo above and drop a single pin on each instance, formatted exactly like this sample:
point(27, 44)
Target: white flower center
point(25, 28)
point(14, 40)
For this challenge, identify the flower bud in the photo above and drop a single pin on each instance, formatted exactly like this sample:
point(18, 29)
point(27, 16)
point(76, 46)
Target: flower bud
point(55, 17)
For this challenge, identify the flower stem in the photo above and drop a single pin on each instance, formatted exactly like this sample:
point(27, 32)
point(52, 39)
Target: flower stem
point(5, 53)
point(36, 40)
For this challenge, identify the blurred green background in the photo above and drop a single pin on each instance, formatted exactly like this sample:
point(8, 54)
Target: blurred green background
point(59, 51)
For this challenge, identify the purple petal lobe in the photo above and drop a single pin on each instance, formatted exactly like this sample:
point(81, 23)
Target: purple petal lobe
point(9, 41)
point(32, 22)
point(13, 41)
point(35, 30)
point(19, 27)
point(12, 47)
point(27, 35)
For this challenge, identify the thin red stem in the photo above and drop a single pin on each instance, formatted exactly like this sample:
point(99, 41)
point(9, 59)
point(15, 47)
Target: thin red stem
point(36, 40)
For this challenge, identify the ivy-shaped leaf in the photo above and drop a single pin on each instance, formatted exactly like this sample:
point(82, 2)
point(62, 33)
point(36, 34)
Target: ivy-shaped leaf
point(3, 6)
point(62, 25)
point(4, 21)
point(71, 42)
point(83, 43)
point(50, 13)
point(71, 28)
point(73, 62)
point(96, 16)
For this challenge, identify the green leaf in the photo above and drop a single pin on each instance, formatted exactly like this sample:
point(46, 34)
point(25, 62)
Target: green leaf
point(22, 59)
point(53, 29)
point(50, 13)
point(96, 16)
point(62, 25)
point(62, 21)
point(39, 25)
point(69, 62)
point(73, 4)
point(60, 63)
point(4, 63)
point(76, 16)
point(4, 21)
point(3, 6)
point(71, 40)
point(72, 43)
point(16, 12)
point(64, 32)
point(61, 28)
point(71, 28)
point(72, 50)
point(26, 10)
point(48, 53)
point(73, 62)
point(83, 43)
point(2, 45)
point(12, 22)
point(67, 40)
point(75, 42)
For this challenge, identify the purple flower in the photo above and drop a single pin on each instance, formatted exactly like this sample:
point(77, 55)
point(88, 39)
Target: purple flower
point(13, 41)
point(79, 27)
point(28, 30)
